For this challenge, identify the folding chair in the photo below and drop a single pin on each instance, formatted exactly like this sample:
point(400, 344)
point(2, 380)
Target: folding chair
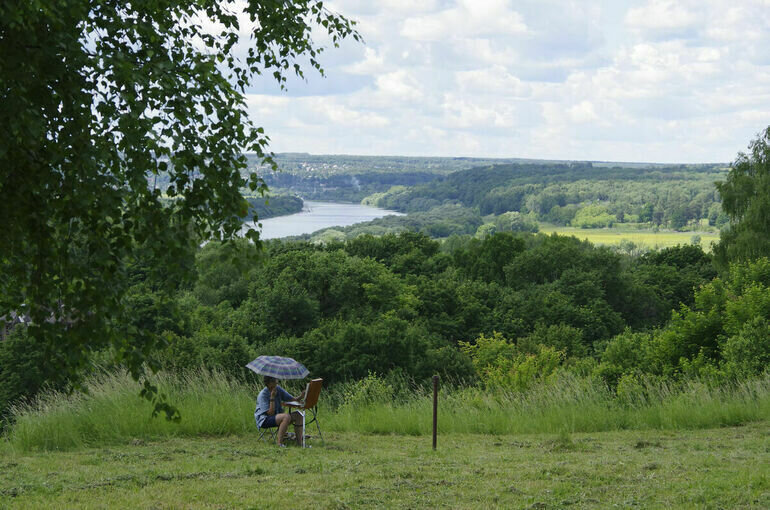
point(310, 403)
point(272, 431)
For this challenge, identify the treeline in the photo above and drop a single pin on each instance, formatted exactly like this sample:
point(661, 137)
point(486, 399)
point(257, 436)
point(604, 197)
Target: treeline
point(352, 178)
point(343, 187)
point(264, 207)
point(575, 194)
point(438, 222)
point(326, 165)
point(347, 178)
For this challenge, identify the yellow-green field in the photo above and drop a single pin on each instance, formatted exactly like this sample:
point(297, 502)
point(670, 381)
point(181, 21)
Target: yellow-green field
point(641, 238)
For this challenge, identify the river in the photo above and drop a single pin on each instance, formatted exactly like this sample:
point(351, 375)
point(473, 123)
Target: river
point(318, 215)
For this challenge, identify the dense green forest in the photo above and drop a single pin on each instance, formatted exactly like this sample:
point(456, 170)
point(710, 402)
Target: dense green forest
point(501, 185)
point(513, 303)
point(575, 194)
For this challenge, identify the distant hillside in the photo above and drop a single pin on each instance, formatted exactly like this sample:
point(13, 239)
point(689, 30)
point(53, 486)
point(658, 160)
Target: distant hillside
point(578, 194)
point(353, 178)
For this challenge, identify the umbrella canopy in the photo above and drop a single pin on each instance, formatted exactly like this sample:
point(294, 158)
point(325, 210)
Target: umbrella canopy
point(278, 367)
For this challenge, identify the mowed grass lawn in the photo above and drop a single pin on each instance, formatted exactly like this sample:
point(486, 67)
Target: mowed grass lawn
point(642, 238)
point(711, 468)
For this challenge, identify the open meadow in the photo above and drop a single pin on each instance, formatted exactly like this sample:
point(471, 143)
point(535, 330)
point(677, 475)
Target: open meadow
point(570, 443)
point(646, 239)
point(710, 468)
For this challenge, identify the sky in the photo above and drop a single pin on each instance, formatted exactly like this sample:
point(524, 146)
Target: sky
point(684, 81)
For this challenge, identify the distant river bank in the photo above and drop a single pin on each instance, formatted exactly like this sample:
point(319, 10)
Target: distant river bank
point(318, 215)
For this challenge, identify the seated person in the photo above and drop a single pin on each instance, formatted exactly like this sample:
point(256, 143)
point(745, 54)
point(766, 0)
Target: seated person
point(269, 412)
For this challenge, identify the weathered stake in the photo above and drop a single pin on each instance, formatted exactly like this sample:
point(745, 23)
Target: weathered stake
point(435, 409)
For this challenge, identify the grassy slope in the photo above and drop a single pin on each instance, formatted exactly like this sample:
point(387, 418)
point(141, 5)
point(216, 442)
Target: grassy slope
point(713, 468)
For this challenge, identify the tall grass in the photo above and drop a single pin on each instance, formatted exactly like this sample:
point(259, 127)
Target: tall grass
point(569, 404)
point(212, 404)
point(111, 411)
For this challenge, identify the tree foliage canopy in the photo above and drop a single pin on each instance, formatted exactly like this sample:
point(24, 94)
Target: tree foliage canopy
point(99, 98)
point(746, 200)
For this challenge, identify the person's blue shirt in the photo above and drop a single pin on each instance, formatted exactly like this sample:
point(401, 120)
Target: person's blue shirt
point(263, 403)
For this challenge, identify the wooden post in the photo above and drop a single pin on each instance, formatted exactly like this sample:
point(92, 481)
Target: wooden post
point(435, 409)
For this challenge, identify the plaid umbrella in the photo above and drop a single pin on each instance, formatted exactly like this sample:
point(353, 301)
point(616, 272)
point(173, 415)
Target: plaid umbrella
point(278, 367)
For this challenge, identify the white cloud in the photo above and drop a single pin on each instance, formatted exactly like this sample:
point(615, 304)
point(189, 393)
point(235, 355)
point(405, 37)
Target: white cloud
point(676, 81)
point(399, 86)
point(389, 7)
point(265, 105)
point(582, 112)
point(482, 51)
point(339, 114)
point(462, 113)
point(660, 15)
point(491, 80)
point(372, 63)
point(467, 18)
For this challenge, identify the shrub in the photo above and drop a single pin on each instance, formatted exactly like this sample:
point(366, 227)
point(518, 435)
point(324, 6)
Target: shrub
point(742, 275)
point(690, 333)
point(559, 336)
point(487, 350)
point(210, 348)
point(371, 390)
point(515, 222)
point(753, 303)
point(630, 391)
point(626, 353)
point(702, 367)
point(747, 354)
point(593, 216)
point(628, 350)
point(525, 370)
point(22, 369)
point(485, 230)
point(501, 364)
